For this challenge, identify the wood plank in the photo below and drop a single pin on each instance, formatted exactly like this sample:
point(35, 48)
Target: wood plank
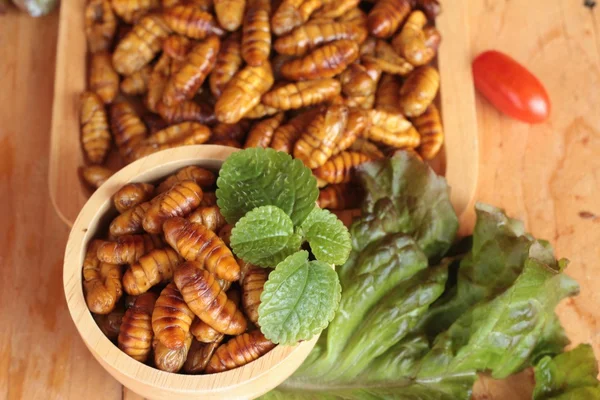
point(41, 354)
point(549, 174)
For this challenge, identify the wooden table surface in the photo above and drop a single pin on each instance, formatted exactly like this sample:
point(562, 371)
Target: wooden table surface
point(547, 175)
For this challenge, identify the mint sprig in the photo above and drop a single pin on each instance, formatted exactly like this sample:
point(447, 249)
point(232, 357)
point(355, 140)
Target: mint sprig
point(271, 198)
point(299, 299)
point(265, 237)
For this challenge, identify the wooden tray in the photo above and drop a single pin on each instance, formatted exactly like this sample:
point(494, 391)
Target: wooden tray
point(457, 100)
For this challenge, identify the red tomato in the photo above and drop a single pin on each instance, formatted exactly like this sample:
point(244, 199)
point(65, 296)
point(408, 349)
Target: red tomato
point(510, 87)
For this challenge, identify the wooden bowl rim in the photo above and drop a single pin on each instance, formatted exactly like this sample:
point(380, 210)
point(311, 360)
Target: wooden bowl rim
point(81, 233)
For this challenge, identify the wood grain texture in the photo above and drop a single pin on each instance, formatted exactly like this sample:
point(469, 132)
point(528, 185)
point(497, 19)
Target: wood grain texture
point(548, 175)
point(41, 354)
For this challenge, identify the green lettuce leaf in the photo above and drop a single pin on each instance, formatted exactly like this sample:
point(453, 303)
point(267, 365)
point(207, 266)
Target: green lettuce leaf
point(500, 335)
point(499, 250)
point(405, 195)
point(259, 177)
point(265, 237)
point(327, 236)
point(298, 300)
point(568, 376)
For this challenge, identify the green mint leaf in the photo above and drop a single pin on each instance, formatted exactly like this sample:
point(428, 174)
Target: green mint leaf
point(328, 237)
point(259, 177)
point(265, 237)
point(299, 299)
point(570, 375)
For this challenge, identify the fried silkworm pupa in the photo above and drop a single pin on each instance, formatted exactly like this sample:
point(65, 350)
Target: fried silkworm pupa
point(431, 8)
point(100, 25)
point(171, 318)
point(243, 92)
point(209, 199)
point(131, 195)
point(192, 22)
point(358, 122)
point(137, 83)
point(293, 13)
point(340, 168)
point(130, 221)
point(388, 93)
point(186, 111)
point(311, 35)
point(429, 126)
point(127, 127)
point(261, 111)
point(95, 175)
point(339, 197)
point(203, 177)
point(155, 267)
point(210, 217)
point(362, 145)
point(157, 82)
point(225, 234)
point(262, 132)
point(184, 83)
point(318, 141)
point(414, 43)
point(110, 324)
point(235, 131)
point(204, 333)
point(170, 360)
point(198, 357)
point(135, 337)
point(128, 249)
point(392, 129)
point(256, 33)
point(239, 351)
point(335, 9)
point(101, 281)
point(324, 62)
point(229, 61)
point(95, 137)
point(252, 287)
point(230, 13)
point(287, 134)
point(131, 11)
point(386, 16)
point(178, 201)
point(302, 94)
point(207, 300)
point(178, 133)
point(195, 242)
point(140, 45)
point(177, 47)
point(386, 59)
point(419, 90)
point(104, 80)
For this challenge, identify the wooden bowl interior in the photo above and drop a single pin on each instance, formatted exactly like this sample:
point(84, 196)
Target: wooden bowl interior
point(248, 381)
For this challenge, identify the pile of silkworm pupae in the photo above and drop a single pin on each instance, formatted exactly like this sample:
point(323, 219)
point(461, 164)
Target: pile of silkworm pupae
point(334, 83)
point(164, 285)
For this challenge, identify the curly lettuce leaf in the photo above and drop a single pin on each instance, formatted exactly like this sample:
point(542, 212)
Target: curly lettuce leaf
point(298, 300)
point(571, 375)
point(259, 177)
point(265, 237)
point(327, 236)
point(404, 195)
point(500, 247)
point(499, 335)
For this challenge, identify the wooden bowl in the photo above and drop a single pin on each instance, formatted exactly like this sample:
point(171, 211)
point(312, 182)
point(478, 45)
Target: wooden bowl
point(249, 381)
